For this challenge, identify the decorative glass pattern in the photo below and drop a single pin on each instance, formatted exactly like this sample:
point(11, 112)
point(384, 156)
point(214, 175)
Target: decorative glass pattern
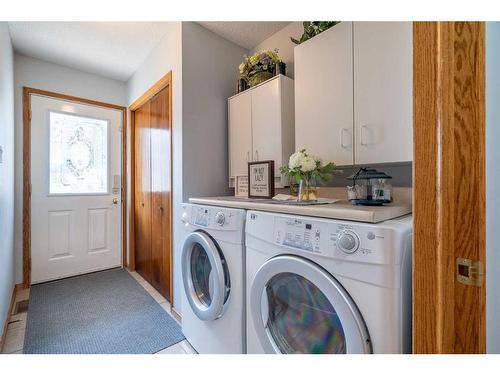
point(78, 154)
point(301, 319)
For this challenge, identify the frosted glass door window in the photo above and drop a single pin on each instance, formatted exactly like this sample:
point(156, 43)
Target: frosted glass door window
point(78, 155)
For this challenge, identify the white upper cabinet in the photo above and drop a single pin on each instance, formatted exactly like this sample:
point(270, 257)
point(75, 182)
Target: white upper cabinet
point(353, 93)
point(261, 127)
point(240, 134)
point(324, 95)
point(383, 81)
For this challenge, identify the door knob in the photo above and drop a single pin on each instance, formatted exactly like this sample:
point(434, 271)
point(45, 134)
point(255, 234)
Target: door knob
point(115, 200)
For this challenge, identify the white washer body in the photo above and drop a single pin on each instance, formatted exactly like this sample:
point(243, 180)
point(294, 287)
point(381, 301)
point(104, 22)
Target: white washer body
point(374, 271)
point(213, 309)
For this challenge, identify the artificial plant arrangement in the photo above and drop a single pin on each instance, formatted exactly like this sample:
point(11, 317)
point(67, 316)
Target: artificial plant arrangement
point(307, 170)
point(313, 28)
point(259, 67)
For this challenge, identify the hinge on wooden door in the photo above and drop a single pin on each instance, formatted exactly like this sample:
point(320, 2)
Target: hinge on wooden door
point(470, 272)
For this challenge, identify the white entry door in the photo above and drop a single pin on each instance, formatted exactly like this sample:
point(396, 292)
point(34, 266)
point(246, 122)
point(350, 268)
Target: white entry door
point(75, 188)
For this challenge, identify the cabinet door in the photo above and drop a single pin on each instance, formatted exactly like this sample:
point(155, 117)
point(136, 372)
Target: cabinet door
point(383, 79)
point(323, 95)
point(266, 123)
point(240, 134)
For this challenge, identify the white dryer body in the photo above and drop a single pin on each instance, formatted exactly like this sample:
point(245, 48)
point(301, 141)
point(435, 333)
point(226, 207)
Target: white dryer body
point(341, 287)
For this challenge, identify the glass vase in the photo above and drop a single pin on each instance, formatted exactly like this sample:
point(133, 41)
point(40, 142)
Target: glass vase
point(308, 191)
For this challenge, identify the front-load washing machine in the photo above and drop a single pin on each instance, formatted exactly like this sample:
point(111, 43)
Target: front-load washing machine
point(213, 266)
point(327, 286)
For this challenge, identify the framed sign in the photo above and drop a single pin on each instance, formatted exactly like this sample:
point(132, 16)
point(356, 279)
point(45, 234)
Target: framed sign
point(261, 179)
point(241, 186)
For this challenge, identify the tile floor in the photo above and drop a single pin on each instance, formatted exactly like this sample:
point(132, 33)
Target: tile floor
point(16, 327)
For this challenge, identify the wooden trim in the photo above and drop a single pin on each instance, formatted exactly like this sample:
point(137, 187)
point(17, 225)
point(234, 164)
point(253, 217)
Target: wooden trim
point(152, 91)
point(449, 185)
point(26, 187)
point(165, 81)
point(74, 99)
point(27, 92)
point(16, 288)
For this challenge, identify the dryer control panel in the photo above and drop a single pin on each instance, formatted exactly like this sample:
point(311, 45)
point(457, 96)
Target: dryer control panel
point(373, 243)
point(300, 234)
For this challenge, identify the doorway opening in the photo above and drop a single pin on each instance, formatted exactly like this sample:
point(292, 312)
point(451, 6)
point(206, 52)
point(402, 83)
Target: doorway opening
point(74, 182)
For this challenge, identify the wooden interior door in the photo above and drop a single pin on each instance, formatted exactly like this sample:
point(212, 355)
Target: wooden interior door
point(142, 184)
point(160, 192)
point(448, 186)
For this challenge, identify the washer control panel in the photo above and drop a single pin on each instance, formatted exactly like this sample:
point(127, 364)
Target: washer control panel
point(209, 217)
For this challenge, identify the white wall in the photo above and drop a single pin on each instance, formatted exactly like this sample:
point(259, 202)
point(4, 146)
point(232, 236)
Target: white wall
point(43, 75)
point(281, 40)
point(492, 187)
point(210, 72)
point(6, 173)
point(204, 73)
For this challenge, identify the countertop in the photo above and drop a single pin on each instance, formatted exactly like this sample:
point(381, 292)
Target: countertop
point(342, 210)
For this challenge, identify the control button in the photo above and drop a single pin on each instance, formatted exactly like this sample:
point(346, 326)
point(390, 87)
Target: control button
point(184, 217)
point(370, 236)
point(220, 219)
point(348, 242)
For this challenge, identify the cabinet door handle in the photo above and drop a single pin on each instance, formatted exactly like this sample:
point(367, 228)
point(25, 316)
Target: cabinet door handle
point(342, 132)
point(256, 155)
point(362, 141)
point(248, 156)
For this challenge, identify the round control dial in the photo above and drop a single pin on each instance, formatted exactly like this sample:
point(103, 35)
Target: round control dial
point(348, 242)
point(220, 218)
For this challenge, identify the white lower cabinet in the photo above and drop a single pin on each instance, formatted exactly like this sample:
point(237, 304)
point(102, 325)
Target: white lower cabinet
point(353, 93)
point(261, 127)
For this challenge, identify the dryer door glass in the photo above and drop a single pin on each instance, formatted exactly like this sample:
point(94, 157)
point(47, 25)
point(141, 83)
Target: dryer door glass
point(300, 318)
point(298, 307)
point(205, 276)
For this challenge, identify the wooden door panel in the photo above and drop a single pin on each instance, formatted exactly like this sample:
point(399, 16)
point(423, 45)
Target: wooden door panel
point(143, 191)
point(160, 187)
point(449, 185)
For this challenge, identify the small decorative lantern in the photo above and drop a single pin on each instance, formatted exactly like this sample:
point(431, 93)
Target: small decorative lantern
point(370, 188)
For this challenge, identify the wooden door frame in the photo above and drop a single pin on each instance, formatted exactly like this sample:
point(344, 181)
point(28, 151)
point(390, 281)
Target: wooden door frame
point(27, 92)
point(164, 82)
point(449, 185)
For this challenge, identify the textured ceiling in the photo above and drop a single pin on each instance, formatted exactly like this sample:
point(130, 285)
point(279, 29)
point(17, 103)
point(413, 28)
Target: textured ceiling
point(111, 49)
point(245, 34)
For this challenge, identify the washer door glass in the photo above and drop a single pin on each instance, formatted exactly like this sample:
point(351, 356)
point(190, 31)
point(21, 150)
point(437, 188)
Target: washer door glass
point(202, 275)
point(300, 317)
point(298, 307)
point(205, 276)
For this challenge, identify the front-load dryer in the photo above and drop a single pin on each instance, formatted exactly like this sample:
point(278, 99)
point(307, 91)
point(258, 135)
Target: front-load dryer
point(327, 286)
point(213, 266)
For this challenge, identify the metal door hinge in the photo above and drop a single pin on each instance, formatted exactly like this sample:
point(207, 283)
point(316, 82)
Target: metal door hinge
point(470, 272)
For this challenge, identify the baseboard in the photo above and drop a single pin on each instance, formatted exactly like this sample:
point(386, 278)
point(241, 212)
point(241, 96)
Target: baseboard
point(176, 314)
point(9, 313)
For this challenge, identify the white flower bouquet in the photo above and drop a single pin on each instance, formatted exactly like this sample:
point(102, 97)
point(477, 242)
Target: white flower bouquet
point(306, 170)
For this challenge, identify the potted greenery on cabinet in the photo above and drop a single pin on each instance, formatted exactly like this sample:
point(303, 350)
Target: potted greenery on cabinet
point(313, 28)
